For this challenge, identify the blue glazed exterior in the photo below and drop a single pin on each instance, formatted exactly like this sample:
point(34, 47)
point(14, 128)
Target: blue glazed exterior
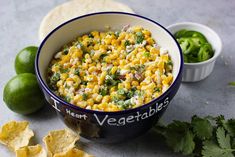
point(110, 127)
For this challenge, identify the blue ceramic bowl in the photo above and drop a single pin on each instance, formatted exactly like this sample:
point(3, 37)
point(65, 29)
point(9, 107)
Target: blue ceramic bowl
point(107, 127)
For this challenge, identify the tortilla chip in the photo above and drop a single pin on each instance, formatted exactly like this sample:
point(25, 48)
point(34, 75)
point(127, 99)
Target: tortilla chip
point(15, 134)
point(31, 151)
point(59, 141)
point(74, 152)
point(75, 8)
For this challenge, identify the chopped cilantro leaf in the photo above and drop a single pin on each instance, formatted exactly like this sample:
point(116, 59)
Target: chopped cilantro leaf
point(169, 63)
point(63, 70)
point(102, 56)
point(65, 50)
point(121, 91)
point(83, 60)
point(77, 72)
point(131, 92)
point(147, 54)
point(112, 80)
point(90, 35)
point(156, 89)
point(55, 77)
point(104, 91)
point(139, 37)
point(84, 96)
point(117, 33)
point(127, 43)
point(67, 98)
point(84, 82)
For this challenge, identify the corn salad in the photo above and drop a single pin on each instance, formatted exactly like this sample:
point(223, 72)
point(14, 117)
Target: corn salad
point(112, 70)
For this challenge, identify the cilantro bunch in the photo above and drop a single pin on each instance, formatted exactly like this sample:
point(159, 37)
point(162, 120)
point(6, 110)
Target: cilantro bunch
point(202, 137)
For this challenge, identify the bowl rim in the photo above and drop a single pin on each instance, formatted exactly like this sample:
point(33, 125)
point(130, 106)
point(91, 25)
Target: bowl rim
point(208, 29)
point(60, 100)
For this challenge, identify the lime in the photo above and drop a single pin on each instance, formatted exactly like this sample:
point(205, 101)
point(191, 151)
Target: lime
point(22, 94)
point(24, 62)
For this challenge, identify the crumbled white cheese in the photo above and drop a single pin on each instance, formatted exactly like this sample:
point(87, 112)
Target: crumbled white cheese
point(129, 48)
point(88, 107)
point(71, 75)
point(123, 71)
point(147, 80)
point(78, 46)
point(58, 55)
point(69, 83)
point(158, 75)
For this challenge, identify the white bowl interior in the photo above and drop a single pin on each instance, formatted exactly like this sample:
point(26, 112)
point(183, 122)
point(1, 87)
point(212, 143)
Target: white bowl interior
point(73, 29)
point(211, 36)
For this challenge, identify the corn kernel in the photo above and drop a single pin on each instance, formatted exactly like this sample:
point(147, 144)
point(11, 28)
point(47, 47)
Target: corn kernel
point(92, 69)
point(98, 98)
point(63, 76)
point(90, 102)
point(134, 83)
point(127, 85)
point(106, 99)
point(102, 77)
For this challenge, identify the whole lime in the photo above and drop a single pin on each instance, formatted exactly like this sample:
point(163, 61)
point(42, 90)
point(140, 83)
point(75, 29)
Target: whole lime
point(22, 94)
point(24, 61)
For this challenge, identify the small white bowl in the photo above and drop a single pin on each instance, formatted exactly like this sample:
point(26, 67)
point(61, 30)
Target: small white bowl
point(198, 71)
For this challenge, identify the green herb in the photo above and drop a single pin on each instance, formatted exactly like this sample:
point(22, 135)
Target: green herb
point(157, 89)
point(117, 33)
point(231, 83)
point(104, 91)
point(67, 98)
point(203, 137)
point(139, 68)
point(84, 82)
point(115, 99)
point(127, 43)
point(112, 80)
point(65, 50)
point(77, 72)
point(62, 70)
point(147, 54)
point(169, 62)
point(83, 60)
point(124, 104)
point(55, 77)
point(53, 81)
point(102, 56)
point(131, 92)
point(90, 35)
point(139, 37)
point(121, 91)
point(84, 96)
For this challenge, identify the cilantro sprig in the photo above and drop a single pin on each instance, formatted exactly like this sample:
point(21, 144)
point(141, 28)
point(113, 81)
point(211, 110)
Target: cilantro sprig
point(231, 83)
point(202, 137)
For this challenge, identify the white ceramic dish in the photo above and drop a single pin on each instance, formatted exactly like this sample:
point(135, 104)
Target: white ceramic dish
point(198, 71)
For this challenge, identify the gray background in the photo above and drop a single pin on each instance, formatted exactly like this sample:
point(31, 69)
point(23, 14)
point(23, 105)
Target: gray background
point(19, 23)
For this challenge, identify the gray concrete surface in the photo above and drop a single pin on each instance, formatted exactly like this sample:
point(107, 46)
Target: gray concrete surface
point(19, 23)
